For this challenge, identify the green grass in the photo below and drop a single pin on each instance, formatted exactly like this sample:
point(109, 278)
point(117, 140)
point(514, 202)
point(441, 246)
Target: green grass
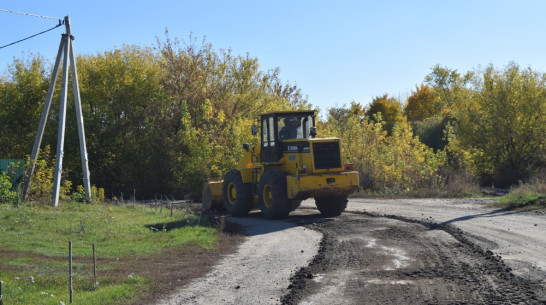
point(34, 243)
point(531, 194)
point(49, 290)
point(528, 200)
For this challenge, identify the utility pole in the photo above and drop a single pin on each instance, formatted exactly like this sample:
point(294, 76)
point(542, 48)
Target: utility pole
point(66, 50)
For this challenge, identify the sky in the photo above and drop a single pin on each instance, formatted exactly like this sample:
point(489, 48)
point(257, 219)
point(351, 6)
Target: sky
point(336, 52)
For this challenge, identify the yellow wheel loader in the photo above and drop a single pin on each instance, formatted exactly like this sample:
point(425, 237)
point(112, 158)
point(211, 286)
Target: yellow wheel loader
point(288, 166)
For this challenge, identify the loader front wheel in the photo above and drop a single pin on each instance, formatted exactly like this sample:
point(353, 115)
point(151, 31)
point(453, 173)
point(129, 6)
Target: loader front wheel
point(273, 200)
point(331, 206)
point(237, 195)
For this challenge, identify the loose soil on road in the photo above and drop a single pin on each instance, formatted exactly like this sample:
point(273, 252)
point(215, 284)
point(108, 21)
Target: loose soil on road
point(380, 252)
point(367, 259)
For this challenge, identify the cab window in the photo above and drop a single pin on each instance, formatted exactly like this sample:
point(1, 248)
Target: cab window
point(290, 127)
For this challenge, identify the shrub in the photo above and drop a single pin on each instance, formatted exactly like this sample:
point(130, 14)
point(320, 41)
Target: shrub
point(431, 131)
point(42, 181)
point(64, 192)
point(97, 194)
point(6, 194)
point(399, 162)
point(79, 194)
point(531, 193)
point(500, 130)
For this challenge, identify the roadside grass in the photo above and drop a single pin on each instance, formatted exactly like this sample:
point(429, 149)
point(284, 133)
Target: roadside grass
point(531, 200)
point(531, 195)
point(419, 193)
point(450, 191)
point(452, 184)
point(131, 241)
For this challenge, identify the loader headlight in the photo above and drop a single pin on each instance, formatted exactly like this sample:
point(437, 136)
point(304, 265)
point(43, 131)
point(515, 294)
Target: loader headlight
point(349, 167)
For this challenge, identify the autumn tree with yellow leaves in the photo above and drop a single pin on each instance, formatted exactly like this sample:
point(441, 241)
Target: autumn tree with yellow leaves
point(161, 119)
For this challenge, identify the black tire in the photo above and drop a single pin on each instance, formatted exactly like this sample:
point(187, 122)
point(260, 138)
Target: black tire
point(331, 206)
point(237, 195)
point(294, 204)
point(272, 195)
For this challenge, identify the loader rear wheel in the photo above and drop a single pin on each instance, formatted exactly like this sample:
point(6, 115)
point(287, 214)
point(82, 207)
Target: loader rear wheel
point(237, 195)
point(294, 204)
point(331, 206)
point(273, 199)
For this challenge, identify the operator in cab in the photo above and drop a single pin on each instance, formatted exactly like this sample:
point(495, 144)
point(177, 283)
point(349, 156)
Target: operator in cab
point(290, 128)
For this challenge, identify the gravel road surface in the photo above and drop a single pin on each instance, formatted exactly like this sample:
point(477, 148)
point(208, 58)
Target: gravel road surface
point(511, 238)
point(259, 272)
point(519, 237)
point(418, 251)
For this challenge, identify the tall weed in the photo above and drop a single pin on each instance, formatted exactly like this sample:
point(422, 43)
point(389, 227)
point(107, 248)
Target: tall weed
point(530, 193)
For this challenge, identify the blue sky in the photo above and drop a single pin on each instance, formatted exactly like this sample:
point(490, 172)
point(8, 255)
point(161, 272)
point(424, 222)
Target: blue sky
point(335, 51)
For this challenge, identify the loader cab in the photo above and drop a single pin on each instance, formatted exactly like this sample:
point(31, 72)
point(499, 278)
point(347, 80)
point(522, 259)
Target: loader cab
point(281, 127)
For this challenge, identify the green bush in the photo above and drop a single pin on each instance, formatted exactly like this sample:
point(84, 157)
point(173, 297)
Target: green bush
point(97, 194)
point(6, 194)
point(41, 186)
point(79, 194)
point(396, 163)
point(431, 131)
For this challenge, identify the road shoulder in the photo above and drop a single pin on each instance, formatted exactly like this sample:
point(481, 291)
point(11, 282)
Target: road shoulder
point(259, 271)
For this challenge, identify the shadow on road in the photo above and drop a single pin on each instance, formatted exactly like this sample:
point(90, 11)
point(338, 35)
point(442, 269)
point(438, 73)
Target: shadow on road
point(254, 224)
point(494, 213)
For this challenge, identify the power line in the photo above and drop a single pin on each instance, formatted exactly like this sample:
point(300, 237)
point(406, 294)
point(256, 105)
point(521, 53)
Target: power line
point(31, 15)
point(58, 25)
point(28, 14)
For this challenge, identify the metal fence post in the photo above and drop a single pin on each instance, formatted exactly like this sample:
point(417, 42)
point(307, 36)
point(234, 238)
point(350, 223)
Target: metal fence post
point(94, 265)
point(70, 291)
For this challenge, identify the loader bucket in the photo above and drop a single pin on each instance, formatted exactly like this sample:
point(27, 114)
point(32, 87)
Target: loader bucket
point(212, 195)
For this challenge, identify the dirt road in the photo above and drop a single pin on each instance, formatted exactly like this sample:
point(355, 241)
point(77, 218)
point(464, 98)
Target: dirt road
point(519, 237)
point(259, 271)
point(384, 252)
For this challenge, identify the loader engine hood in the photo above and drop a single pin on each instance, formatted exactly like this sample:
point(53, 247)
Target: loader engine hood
point(318, 155)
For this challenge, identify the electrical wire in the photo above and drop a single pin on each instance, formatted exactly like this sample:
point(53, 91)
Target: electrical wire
point(28, 14)
point(32, 15)
point(10, 44)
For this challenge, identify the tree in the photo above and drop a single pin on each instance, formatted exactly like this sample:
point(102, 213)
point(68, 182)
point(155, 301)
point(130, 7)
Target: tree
point(398, 162)
point(215, 97)
point(431, 108)
point(423, 110)
point(501, 130)
point(385, 109)
point(431, 131)
point(123, 102)
point(422, 104)
point(450, 86)
point(22, 95)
